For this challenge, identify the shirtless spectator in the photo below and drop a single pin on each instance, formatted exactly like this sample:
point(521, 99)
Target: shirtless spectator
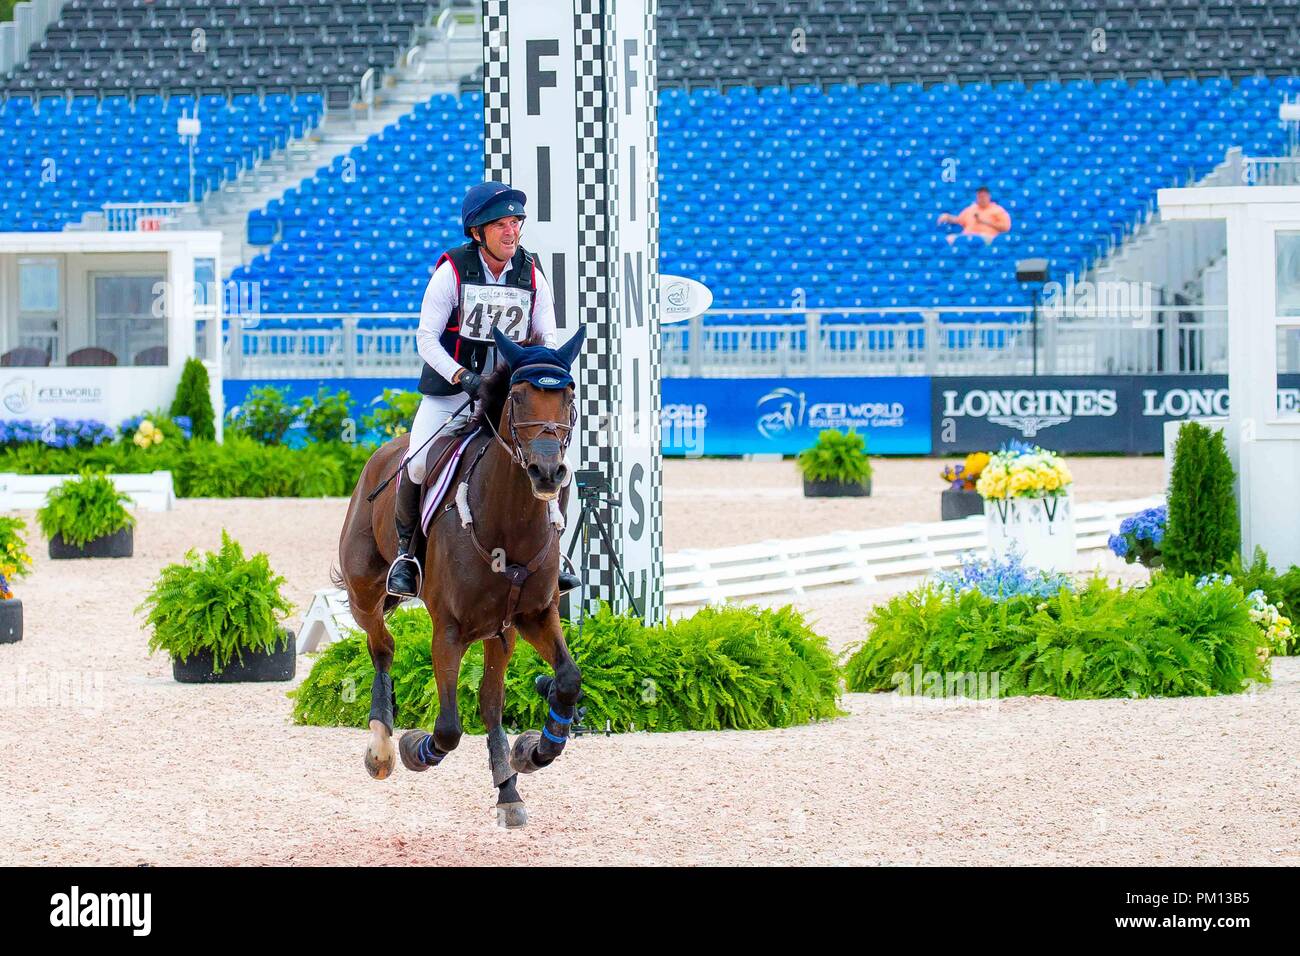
point(983, 218)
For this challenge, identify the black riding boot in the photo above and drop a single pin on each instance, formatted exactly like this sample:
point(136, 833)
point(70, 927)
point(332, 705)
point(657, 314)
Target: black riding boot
point(404, 577)
point(569, 581)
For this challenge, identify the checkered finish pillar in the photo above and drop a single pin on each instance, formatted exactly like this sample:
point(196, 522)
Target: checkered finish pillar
point(650, 39)
point(600, 376)
point(496, 92)
point(568, 119)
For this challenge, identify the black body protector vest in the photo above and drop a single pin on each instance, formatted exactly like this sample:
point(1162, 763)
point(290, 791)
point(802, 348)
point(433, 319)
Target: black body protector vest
point(480, 306)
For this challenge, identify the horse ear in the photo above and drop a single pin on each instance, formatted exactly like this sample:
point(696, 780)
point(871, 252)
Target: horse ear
point(570, 349)
point(508, 349)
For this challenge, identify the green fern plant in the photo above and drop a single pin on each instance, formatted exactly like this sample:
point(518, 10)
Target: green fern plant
point(730, 667)
point(221, 602)
point(84, 509)
point(1169, 639)
point(836, 456)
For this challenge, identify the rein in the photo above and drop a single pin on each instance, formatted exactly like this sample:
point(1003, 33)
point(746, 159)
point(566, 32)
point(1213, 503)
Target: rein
point(516, 574)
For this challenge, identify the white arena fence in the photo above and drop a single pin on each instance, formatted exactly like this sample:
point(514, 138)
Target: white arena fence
point(773, 568)
point(729, 343)
point(152, 491)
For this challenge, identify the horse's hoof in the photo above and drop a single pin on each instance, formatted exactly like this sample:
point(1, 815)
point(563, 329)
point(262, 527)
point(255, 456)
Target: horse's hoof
point(512, 816)
point(380, 760)
point(377, 767)
point(521, 754)
point(409, 747)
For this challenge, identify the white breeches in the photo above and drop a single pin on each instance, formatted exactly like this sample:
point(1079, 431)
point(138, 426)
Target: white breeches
point(429, 417)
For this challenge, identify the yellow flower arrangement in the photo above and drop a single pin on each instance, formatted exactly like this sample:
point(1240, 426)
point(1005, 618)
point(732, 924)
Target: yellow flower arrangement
point(965, 475)
point(148, 434)
point(1024, 472)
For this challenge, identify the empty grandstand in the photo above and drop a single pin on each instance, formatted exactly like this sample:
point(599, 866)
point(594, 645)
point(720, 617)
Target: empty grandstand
point(806, 150)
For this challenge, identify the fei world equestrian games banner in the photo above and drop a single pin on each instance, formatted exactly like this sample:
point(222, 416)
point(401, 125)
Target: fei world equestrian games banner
point(738, 416)
point(1078, 413)
point(899, 416)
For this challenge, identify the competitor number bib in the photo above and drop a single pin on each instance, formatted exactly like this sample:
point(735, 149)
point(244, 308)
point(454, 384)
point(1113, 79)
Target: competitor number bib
point(484, 307)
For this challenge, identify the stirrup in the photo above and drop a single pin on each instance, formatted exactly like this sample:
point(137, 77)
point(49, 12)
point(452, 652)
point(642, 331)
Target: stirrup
point(419, 576)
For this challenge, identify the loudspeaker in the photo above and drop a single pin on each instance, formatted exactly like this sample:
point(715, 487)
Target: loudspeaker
point(1031, 270)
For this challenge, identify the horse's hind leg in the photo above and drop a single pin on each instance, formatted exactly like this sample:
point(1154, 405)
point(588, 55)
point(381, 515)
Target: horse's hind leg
point(381, 756)
point(491, 694)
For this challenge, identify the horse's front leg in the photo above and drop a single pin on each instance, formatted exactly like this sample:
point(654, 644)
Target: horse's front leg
point(491, 695)
point(534, 750)
point(421, 750)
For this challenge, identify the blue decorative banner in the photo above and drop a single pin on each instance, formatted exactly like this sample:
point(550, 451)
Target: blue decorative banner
point(737, 416)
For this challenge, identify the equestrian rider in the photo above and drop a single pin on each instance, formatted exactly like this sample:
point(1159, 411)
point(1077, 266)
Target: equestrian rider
point(490, 280)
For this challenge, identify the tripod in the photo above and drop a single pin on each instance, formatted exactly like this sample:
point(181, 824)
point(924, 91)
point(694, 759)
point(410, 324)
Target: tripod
point(593, 491)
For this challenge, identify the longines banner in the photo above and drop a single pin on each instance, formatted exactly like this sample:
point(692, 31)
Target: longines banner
point(730, 416)
point(1088, 413)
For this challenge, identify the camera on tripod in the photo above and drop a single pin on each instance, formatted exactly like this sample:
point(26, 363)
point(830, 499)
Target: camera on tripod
point(591, 483)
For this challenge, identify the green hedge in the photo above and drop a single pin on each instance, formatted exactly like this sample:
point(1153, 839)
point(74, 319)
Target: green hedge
point(239, 468)
point(1169, 639)
point(742, 668)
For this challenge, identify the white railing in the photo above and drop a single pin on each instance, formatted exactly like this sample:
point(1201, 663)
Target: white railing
point(789, 342)
point(1271, 171)
point(145, 216)
point(792, 567)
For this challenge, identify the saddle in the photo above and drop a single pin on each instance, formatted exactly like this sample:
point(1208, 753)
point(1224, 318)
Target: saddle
point(441, 462)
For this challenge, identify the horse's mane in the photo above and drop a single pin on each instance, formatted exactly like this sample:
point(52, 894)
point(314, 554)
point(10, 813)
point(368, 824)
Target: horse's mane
point(496, 386)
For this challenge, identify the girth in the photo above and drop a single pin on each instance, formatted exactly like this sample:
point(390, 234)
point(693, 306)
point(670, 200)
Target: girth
point(516, 574)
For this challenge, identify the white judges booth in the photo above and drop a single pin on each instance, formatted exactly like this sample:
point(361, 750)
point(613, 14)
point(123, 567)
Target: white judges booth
point(99, 325)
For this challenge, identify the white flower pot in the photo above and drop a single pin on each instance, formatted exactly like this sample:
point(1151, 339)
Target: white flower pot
point(1042, 529)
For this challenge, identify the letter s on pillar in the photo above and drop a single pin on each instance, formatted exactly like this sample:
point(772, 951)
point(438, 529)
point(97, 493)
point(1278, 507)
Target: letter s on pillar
point(637, 528)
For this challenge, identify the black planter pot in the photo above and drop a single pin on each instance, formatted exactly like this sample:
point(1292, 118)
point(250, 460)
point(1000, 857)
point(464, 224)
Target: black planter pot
point(960, 504)
point(11, 621)
point(119, 544)
point(256, 666)
point(836, 489)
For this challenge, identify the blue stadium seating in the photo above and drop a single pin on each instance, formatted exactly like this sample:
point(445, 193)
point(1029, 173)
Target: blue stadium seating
point(71, 156)
point(768, 191)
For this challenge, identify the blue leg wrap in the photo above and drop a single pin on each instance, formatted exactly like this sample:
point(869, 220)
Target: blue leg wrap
point(428, 751)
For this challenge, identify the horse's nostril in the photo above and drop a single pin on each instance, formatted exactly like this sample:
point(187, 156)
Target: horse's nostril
point(534, 471)
point(561, 472)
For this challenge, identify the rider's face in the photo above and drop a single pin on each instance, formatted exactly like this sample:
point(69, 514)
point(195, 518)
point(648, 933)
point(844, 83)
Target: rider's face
point(501, 236)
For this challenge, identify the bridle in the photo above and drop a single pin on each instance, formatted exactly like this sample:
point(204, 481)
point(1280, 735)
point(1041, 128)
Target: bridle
point(549, 427)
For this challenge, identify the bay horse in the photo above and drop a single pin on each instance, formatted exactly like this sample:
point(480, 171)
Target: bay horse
point(491, 580)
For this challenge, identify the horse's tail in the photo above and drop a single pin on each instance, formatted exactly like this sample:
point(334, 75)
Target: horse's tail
point(390, 602)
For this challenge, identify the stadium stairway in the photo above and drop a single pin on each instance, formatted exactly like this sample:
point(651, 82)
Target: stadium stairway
point(454, 52)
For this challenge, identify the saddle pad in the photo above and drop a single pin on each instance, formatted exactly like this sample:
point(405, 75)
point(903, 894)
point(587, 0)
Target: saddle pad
point(435, 488)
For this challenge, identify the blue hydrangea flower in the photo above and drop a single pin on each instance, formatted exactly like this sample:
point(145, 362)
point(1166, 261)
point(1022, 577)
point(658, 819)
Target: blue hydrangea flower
point(1002, 578)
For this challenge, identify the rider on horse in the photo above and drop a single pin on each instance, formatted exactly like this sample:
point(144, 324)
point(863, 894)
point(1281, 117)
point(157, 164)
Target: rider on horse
point(490, 281)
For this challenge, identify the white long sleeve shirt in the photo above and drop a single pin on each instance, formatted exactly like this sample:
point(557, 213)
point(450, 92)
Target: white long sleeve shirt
point(440, 300)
